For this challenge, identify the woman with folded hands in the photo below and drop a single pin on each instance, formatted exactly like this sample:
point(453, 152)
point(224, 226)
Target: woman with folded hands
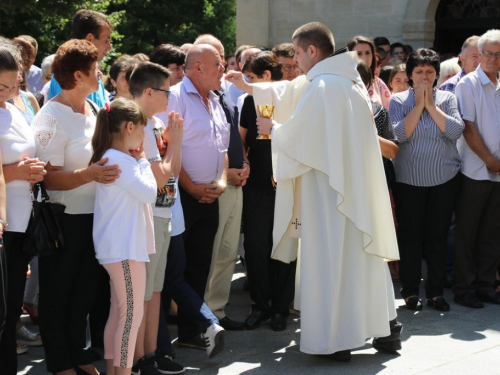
point(427, 124)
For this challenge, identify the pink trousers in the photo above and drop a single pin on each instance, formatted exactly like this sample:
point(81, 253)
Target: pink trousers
point(128, 285)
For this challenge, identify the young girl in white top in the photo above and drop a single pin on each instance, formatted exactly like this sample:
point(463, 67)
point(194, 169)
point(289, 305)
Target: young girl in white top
point(123, 225)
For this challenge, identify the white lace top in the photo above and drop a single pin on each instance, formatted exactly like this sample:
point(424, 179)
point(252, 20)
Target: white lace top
point(63, 139)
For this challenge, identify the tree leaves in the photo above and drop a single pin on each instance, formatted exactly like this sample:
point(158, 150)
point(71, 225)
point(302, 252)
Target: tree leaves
point(139, 25)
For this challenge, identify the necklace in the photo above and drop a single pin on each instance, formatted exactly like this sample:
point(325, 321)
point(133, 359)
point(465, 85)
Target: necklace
point(65, 98)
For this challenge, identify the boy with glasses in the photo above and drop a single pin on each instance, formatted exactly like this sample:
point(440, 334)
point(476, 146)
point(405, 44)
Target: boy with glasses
point(150, 88)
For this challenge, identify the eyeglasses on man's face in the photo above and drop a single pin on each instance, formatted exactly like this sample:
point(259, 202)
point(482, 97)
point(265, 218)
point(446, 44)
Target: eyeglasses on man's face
point(489, 54)
point(290, 67)
point(165, 91)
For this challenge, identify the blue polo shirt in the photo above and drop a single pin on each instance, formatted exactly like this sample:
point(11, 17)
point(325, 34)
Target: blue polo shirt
point(98, 97)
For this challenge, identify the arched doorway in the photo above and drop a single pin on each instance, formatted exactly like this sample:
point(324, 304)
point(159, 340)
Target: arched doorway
point(456, 20)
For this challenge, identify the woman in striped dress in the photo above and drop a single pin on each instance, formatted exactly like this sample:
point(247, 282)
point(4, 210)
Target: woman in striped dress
point(427, 124)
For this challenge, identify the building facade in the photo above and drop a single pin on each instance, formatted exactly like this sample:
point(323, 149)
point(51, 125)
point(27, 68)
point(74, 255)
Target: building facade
point(442, 24)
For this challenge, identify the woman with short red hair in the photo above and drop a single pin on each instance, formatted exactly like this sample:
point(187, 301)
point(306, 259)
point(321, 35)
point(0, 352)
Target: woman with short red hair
point(63, 133)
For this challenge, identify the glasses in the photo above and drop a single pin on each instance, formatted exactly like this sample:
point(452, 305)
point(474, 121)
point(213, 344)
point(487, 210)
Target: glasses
point(289, 67)
point(9, 89)
point(489, 54)
point(166, 91)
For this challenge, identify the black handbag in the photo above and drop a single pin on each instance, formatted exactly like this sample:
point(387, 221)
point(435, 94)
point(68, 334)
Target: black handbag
point(44, 235)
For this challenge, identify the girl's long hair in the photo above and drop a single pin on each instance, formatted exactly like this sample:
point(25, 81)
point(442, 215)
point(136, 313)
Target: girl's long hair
point(109, 124)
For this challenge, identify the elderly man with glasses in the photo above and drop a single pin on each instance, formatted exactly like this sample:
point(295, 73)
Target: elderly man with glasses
point(477, 238)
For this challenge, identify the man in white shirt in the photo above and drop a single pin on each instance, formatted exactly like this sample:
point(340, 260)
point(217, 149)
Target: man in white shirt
point(230, 209)
point(203, 175)
point(477, 237)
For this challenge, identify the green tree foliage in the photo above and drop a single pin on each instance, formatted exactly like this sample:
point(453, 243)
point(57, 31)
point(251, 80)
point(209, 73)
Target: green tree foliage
point(140, 25)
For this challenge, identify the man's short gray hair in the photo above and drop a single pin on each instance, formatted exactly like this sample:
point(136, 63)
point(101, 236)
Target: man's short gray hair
point(47, 63)
point(491, 37)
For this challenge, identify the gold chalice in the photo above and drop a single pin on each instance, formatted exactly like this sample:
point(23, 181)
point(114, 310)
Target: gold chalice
point(266, 111)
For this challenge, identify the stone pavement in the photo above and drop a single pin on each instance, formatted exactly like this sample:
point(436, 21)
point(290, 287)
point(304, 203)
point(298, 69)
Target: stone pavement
point(461, 341)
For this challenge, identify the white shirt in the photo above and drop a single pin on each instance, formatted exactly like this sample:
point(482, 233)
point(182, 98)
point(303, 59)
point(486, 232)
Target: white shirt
point(123, 221)
point(45, 92)
point(63, 139)
point(153, 156)
point(34, 78)
point(178, 226)
point(16, 142)
point(479, 102)
point(206, 132)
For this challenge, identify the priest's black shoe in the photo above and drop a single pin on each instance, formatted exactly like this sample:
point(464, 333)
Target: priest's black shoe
point(278, 322)
point(413, 303)
point(391, 343)
point(231, 325)
point(256, 317)
point(439, 304)
point(469, 300)
point(491, 297)
point(342, 356)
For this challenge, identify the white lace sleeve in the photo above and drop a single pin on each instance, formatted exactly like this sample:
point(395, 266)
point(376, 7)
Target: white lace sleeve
point(45, 128)
point(50, 139)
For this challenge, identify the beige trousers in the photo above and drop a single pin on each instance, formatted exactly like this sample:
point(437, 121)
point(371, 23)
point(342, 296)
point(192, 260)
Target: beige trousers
point(225, 250)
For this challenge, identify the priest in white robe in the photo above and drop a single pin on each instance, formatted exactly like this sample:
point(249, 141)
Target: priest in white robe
point(331, 194)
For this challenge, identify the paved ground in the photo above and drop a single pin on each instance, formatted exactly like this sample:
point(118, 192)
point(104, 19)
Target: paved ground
point(462, 341)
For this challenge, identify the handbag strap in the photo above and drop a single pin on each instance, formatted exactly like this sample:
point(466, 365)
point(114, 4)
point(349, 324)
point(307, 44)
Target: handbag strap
point(41, 186)
point(92, 107)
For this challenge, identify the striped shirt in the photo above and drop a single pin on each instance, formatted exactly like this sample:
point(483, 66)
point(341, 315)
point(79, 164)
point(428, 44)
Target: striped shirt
point(450, 84)
point(429, 157)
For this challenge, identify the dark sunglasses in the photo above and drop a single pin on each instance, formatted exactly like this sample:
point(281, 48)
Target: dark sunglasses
point(158, 89)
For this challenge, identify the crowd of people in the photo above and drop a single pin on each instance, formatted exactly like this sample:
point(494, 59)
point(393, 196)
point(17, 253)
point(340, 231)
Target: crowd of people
point(376, 158)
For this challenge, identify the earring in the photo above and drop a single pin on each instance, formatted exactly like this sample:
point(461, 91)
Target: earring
point(80, 85)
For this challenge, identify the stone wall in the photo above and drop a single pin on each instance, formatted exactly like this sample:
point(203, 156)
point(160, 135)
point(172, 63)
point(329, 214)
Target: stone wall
point(269, 22)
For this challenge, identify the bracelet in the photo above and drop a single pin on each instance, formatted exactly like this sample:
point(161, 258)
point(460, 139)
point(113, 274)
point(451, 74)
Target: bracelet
point(5, 224)
point(246, 162)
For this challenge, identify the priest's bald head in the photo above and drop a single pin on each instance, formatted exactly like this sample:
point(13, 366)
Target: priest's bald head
point(313, 42)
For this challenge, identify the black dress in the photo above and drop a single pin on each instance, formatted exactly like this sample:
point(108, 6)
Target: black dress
point(270, 280)
point(386, 131)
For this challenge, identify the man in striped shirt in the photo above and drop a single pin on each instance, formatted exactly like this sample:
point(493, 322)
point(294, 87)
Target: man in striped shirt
point(470, 61)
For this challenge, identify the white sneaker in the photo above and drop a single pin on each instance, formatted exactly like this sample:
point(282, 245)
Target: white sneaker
point(214, 336)
point(21, 348)
point(28, 337)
